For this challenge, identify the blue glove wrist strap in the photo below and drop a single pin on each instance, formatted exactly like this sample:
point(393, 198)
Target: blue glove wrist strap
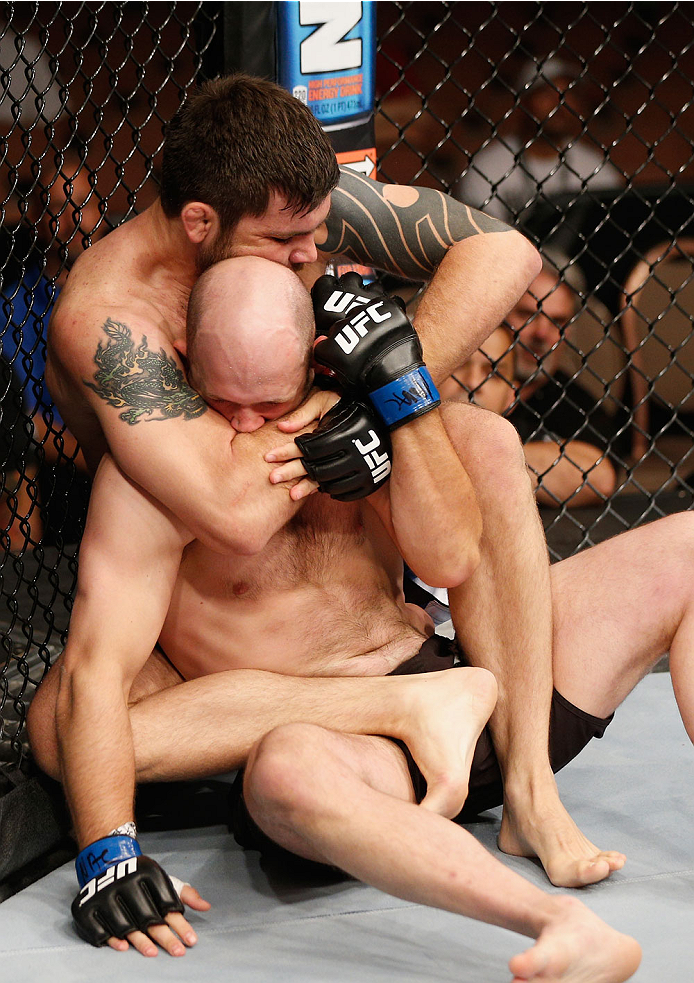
point(405, 397)
point(96, 857)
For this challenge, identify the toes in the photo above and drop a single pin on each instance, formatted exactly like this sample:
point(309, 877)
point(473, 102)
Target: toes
point(592, 871)
point(615, 860)
point(528, 964)
point(579, 873)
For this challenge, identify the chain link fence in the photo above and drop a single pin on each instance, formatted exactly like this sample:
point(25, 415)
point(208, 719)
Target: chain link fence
point(573, 121)
point(85, 91)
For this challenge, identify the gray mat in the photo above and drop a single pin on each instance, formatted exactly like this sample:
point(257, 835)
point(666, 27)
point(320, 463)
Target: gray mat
point(632, 791)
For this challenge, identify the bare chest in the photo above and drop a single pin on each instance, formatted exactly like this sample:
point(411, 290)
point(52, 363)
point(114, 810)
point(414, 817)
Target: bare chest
point(313, 550)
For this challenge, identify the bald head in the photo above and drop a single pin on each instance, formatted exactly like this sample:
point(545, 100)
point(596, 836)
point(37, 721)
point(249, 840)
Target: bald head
point(249, 337)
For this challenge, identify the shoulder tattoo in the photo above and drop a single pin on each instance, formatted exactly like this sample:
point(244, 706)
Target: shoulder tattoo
point(146, 385)
point(404, 230)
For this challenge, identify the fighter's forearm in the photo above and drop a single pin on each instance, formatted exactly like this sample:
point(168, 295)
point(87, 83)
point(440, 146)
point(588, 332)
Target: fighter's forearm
point(96, 756)
point(431, 506)
point(129, 559)
point(476, 285)
point(477, 265)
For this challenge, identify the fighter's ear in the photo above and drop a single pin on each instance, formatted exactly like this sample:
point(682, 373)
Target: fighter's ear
point(198, 220)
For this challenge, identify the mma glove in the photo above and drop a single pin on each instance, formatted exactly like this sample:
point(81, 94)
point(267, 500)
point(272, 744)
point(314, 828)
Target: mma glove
point(121, 891)
point(349, 453)
point(374, 351)
point(334, 299)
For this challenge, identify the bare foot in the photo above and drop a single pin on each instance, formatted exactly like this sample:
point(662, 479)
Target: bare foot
point(548, 832)
point(447, 715)
point(577, 947)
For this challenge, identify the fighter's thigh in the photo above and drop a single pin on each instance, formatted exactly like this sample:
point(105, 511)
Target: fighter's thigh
point(616, 608)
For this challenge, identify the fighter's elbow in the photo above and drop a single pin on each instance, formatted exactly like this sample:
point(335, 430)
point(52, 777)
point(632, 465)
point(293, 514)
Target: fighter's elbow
point(527, 261)
point(455, 567)
point(241, 536)
point(251, 542)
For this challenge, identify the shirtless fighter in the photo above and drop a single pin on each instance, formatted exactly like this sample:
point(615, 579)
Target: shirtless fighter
point(248, 171)
point(323, 596)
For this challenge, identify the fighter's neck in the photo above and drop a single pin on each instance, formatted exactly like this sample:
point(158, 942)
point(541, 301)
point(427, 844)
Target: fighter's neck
point(164, 248)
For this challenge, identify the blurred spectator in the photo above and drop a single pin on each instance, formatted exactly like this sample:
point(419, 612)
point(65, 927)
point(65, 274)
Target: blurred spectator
point(549, 153)
point(19, 516)
point(569, 471)
point(69, 217)
point(550, 402)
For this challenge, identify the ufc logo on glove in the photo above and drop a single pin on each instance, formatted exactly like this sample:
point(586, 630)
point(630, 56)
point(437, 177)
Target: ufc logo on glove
point(349, 337)
point(378, 463)
point(96, 884)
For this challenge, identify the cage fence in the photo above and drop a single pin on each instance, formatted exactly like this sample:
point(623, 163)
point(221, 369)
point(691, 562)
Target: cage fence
point(571, 121)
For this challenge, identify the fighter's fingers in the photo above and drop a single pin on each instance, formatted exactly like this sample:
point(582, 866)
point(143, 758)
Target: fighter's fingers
point(191, 897)
point(181, 927)
point(163, 936)
point(288, 472)
point(303, 489)
point(143, 944)
point(285, 452)
point(315, 407)
point(120, 945)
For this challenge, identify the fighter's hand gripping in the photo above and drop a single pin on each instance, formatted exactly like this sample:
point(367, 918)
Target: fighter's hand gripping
point(349, 453)
point(335, 298)
point(374, 352)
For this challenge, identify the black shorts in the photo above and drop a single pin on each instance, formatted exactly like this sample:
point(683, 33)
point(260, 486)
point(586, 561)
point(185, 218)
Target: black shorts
point(569, 731)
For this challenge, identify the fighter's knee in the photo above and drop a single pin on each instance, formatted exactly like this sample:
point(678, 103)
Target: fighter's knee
point(279, 769)
point(474, 430)
point(488, 445)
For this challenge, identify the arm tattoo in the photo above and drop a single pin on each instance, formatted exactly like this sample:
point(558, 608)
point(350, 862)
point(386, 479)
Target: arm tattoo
point(406, 231)
point(147, 385)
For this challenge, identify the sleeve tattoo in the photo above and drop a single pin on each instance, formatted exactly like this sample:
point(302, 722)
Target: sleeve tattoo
point(146, 385)
point(406, 232)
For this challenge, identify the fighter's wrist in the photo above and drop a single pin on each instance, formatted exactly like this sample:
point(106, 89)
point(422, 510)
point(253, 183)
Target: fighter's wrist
point(96, 858)
point(406, 398)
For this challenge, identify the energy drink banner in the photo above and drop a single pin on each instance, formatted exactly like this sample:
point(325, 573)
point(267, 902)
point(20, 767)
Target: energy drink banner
point(326, 56)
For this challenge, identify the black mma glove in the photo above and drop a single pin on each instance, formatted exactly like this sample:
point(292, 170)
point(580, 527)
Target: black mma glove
point(334, 299)
point(375, 352)
point(349, 453)
point(121, 891)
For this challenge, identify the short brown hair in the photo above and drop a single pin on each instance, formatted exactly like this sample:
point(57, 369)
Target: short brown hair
point(238, 139)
